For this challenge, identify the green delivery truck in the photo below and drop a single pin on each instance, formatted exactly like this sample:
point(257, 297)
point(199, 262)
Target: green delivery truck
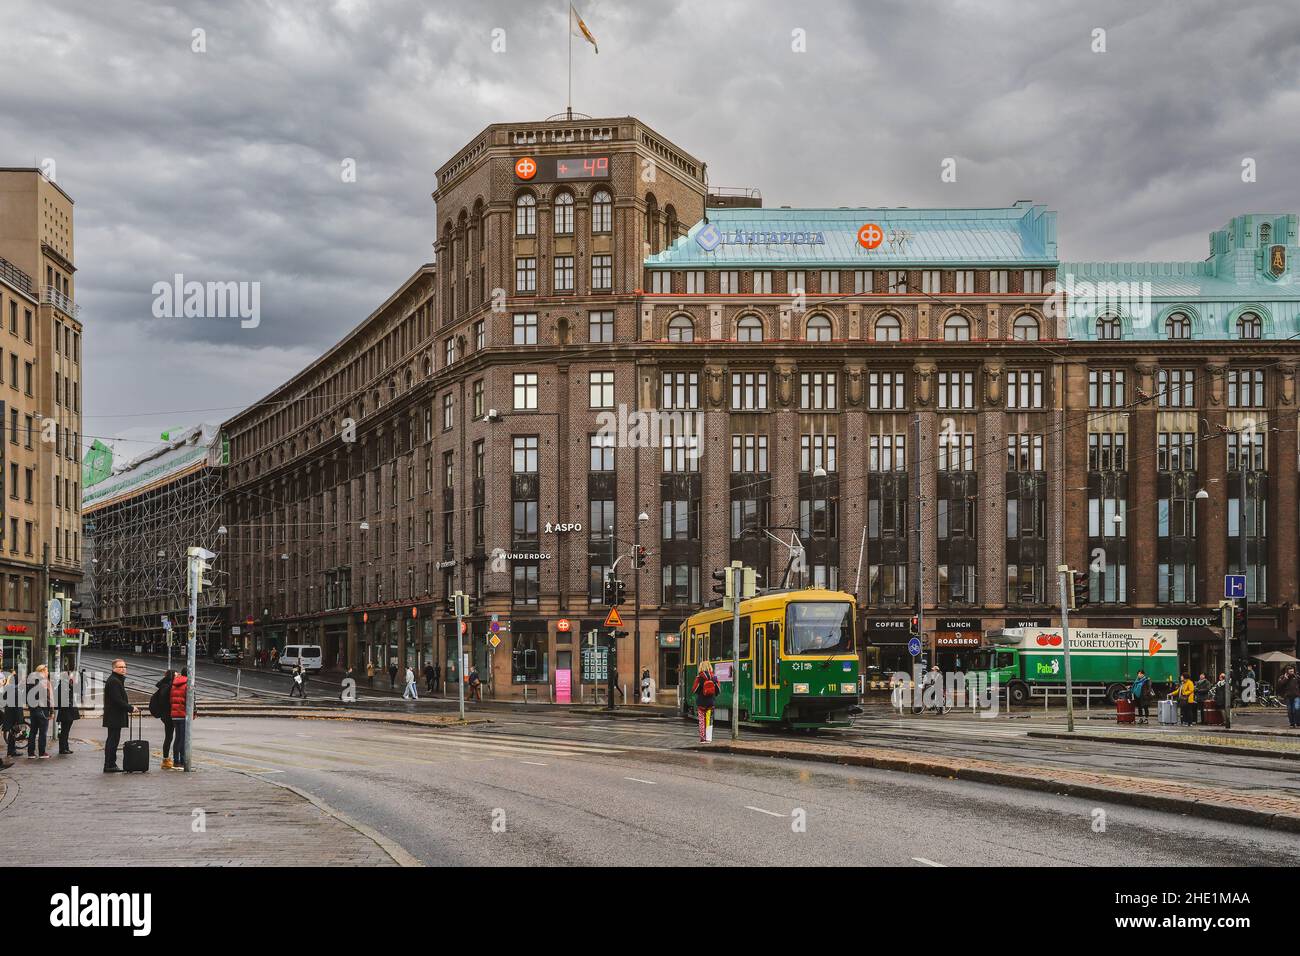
point(1023, 658)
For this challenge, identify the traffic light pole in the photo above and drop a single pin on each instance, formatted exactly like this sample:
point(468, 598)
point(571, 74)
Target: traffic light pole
point(461, 669)
point(737, 590)
point(1063, 573)
point(1229, 633)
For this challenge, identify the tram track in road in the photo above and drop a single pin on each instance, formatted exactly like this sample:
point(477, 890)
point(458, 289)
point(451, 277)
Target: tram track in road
point(143, 675)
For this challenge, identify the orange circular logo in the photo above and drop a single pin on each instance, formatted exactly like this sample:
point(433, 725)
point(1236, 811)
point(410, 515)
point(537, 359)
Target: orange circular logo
point(526, 167)
point(870, 236)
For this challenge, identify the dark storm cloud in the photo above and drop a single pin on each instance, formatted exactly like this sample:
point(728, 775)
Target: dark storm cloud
point(225, 165)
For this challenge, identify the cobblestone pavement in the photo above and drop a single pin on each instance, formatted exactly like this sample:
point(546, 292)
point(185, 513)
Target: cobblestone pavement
point(67, 811)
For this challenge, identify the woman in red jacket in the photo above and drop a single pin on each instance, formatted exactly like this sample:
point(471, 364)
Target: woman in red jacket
point(180, 687)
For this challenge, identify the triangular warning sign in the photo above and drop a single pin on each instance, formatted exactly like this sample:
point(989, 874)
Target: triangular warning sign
point(613, 619)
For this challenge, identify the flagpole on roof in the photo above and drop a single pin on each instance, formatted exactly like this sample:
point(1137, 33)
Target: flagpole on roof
point(569, 107)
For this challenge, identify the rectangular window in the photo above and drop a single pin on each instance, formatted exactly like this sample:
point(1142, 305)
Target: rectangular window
point(681, 584)
point(601, 390)
point(796, 282)
point(695, 282)
point(600, 327)
point(748, 391)
point(999, 281)
point(602, 451)
point(817, 391)
point(956, 451)
point(1024, 452)
point(956, 390)
point(898, 281)
point(602, 273)
point(480, 335)
point(525, 328)
point(1175, 451)
point(863, 281)
point(762, 283)
point(1245, 449)
point(729, 282)
point(681, 519)
point(1106, 388)
point(1024, 389)
point(748, 453)
point(448, 411)
point(478, 398)
point(965, 280)
point(1032, 280)
point(1106, 451)
point(525, 391)
point(680, 438)
point(1174, 388)
point(526, 274)
point(931, 282)
point(887, 453)
point(828, 282)
point(1245, 388)
point(524, 458)
point(885, 390)
point(526, 584)
point(816, 451)
point(680, 390)
point(661, 282)
point(564, 273)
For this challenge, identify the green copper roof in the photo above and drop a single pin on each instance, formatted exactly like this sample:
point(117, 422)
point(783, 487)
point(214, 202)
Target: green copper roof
point(1022, 234)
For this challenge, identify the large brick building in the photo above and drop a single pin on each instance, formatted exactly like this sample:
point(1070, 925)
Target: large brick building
point(591, 366)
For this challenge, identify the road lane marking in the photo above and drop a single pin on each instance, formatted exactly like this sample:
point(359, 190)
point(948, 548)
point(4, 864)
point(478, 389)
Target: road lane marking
point(768, 812)
point(639, 780)
point(534, 763)
point(921, 859)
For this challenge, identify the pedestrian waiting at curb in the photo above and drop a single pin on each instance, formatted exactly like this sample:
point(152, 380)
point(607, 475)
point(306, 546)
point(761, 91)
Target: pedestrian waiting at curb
point(370, 673)
point(117, 713)
point(1202, 692)
point(1186, 695)
point(1288, 686)
point(1142, 694)
point(66, 710)
point(705, 690)
point(475, 685)
point(160, 706)
point(180, 689)
point(38, 712)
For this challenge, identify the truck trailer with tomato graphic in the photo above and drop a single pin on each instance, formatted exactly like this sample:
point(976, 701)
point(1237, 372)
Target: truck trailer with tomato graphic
point(1023, 659)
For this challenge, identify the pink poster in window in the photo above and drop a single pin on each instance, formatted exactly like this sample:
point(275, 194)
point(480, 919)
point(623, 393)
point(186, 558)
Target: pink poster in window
point(563, 687)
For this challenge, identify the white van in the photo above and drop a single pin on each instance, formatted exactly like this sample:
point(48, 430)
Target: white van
point(308, 655)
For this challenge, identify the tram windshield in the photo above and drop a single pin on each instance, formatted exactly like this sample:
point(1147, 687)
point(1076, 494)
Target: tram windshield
point(819, 627)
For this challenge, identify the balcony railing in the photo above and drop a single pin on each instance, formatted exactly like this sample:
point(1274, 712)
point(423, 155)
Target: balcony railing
point(52, 296)
point(16, 276)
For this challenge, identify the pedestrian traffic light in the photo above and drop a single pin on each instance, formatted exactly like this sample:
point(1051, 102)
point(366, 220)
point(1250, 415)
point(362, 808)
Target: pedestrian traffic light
point(723, 577)
point(1079, 588)
point(620, 592)
point(914, 629)
point(1239, 621)
point(449, 605)
point(638, 556)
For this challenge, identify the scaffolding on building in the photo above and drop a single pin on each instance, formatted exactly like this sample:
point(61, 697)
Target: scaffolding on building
point(138, 524)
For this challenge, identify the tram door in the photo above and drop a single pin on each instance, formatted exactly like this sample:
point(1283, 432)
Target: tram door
point(774, 669)
point(758, 704)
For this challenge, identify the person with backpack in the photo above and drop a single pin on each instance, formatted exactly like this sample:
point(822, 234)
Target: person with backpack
point(705, 690)
point(160, 706)
point(66, 710)
point(1142, 695)
point(179, 690)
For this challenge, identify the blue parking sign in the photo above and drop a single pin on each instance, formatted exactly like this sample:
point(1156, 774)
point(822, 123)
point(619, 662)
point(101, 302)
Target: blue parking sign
point(1234, 585)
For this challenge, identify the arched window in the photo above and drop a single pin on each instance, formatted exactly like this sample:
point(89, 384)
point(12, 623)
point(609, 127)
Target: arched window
point(1265, 234)
point(602, 212)
point(526, 215)
point(1108, 327)
point(1025, 329)
point(564, 214)
point(681, 329)
point(819, 329)
point(1178, 326)
point(1249, 326)
point(652, 223)
point(956, 329)
point(888, 329)
point(750, 329)
point(670, 225)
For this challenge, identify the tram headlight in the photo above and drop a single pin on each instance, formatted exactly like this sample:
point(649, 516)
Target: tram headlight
point(801, 688)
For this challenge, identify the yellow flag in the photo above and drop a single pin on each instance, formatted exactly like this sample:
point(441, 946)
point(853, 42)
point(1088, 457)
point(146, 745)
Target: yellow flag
point(580, 29)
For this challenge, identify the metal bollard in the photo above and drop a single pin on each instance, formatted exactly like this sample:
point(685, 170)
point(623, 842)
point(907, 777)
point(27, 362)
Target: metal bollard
point(237, 673)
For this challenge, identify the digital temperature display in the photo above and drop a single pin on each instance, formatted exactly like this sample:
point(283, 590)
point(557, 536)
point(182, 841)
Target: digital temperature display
point(555, 169)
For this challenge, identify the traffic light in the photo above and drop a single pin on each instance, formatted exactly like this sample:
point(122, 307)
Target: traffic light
point(1079, 588)
point(914, 628)
point(620, 592)
point(638, 557)
point(621, 633)
point(449, 605)
point(723, 578)
point(1239, 621)
point(615, 591)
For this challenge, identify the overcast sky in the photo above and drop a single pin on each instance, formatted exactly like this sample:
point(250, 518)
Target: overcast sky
point(225, 165)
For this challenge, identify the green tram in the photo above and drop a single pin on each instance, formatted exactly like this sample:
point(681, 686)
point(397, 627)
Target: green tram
point(798, 659)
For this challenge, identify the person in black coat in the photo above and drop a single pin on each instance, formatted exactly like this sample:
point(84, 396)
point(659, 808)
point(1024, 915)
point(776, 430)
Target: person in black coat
point(13, 711)
point(66, 710)
point(428, 678)
point(38, 712)
point(117, 714)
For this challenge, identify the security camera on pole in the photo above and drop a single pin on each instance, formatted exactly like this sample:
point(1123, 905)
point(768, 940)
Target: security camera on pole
point(197, 564)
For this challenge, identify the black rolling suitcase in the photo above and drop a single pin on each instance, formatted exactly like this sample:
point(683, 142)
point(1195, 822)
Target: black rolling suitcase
point(135, 752)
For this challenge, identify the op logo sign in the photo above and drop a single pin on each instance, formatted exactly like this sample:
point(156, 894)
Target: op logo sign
point(526, 167)
point(870, 236)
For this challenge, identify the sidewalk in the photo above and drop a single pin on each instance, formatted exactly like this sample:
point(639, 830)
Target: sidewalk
point(1273, 810)
point(66, 811)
